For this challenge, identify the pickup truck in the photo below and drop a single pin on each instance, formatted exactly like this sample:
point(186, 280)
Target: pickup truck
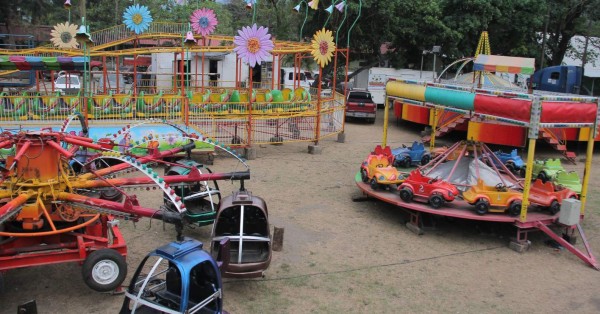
point(359, 104)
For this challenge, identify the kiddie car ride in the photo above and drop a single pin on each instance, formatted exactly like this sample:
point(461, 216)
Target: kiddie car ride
point(497, 198)
point(411, 156)
point(549, 195)
point(377, 169)
point(434, 190)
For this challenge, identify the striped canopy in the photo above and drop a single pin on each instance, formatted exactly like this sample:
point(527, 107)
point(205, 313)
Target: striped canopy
point(491, 63)
point(26, 63)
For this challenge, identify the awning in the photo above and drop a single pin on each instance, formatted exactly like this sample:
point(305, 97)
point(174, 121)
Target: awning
point(514, 65)
point(25, 63)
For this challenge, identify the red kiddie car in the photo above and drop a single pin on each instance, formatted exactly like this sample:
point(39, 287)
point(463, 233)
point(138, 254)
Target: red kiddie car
point(549, 195)
point(435, 190)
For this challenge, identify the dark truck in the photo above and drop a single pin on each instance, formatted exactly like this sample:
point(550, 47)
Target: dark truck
point(359, 104)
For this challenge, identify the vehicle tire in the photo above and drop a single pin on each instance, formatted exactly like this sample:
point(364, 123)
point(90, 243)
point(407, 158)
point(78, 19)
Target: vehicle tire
point(406, 194)
point(425, 160)
point(482, 206)
point(396, 163)
point(554, 207)
point(543, 176)
point(514, 209)
point(363, 175)
point(104, 270)
point(510, 166)
point(436, 201)
point(406, 163)
point(522, 172)
point(374, 184)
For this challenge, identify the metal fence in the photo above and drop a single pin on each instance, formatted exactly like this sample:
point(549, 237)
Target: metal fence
point(215, 114)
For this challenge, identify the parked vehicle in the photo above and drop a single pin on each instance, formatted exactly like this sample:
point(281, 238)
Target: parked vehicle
point(67, 83)
point(411, 156)
point(560, 79)
point(377, 169)
point(549, 195)
point(434, 190)
point(288, 79)
point(496, 199)
point(359, 104)
point(178, 277)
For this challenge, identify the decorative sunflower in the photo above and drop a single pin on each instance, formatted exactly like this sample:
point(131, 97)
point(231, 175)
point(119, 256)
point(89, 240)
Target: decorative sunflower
point(63, 35)
point(253, 45)
point(323, 47)
point(204, 21)
point(137, 18)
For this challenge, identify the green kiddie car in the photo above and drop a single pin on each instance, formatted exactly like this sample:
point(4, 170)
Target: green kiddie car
point(569, 180)
point(545, 170)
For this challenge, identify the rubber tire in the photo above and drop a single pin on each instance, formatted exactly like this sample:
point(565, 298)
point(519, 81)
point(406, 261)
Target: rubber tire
point(481, 207)
point(407, 162)
point(396, 163)
point(363, 175)
point(374, 184)
point(554, 207)
point(510, 166)
point(543, 176)
point(102, 256)
point(406, 194)
point(436, 201)
point(514, 209)
point(425, 160)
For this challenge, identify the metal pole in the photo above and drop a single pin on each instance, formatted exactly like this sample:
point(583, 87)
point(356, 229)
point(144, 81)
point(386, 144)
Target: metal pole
point(421, 72)
point(434, 55)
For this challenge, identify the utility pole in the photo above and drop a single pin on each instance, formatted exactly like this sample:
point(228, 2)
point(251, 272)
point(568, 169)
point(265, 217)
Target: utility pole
point(544, 39)
point(82, 7)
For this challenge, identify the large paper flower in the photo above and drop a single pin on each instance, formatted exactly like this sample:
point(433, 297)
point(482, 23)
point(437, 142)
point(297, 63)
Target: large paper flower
point(323, 47)
point(137, 18)
point(253, 45)
point(63, 35)
point(204, 21)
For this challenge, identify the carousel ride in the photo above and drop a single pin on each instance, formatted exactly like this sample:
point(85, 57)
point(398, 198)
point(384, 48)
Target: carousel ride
point(488, 189)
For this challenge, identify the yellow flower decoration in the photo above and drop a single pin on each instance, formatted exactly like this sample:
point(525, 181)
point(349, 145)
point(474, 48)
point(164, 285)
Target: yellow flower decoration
point(63, 35)
point(323, 47)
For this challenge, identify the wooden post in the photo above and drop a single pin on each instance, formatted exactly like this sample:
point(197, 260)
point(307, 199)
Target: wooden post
point(278, 238)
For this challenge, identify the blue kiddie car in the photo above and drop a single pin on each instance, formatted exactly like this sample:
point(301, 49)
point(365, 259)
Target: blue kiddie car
point(411, 156)
point(512, 161)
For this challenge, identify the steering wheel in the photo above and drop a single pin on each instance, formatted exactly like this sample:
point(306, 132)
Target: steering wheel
point(379, 166)
point(501, 187)
point(403, 146)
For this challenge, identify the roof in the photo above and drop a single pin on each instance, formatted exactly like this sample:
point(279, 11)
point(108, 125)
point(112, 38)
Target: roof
point(493, 63)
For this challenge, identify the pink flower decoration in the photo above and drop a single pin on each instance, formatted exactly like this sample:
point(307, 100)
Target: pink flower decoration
point(253, 45)
point(204, 21)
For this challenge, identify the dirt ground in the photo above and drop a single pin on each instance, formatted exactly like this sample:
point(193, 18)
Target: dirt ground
point(354, 257)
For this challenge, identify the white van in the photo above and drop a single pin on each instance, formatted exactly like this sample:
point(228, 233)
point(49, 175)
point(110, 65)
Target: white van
point(287, 78)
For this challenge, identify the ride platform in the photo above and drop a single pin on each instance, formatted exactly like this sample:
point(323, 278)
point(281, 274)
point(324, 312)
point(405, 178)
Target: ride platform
point(535, 220)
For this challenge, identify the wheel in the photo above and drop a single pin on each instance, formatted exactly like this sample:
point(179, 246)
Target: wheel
point(554, 207)
point(406, 162)
point(374, 184)
point(543, 176)
point(406, 194)
point(514, 209)
point(481, 207)
point(363, 175)
point(510, 166)
point(436, 201)
point(111, 194)
point(104, 270)
point(425, 160)
point(396, 163)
